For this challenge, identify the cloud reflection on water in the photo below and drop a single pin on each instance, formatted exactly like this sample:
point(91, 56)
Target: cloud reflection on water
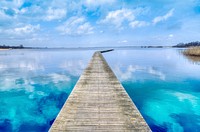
point(128, 73)
point(34, 86)
point(163, 84)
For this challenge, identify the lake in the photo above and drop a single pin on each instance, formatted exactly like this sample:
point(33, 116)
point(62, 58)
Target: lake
point(163, 84)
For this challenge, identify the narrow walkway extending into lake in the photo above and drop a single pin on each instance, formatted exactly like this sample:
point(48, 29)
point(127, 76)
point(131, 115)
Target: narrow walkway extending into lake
point(99, 102)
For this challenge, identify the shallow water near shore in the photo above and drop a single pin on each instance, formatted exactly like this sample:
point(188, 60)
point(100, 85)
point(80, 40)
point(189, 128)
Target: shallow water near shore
point(34, 84)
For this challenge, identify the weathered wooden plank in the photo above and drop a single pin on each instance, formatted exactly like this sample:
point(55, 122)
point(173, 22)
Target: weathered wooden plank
point(99, 102)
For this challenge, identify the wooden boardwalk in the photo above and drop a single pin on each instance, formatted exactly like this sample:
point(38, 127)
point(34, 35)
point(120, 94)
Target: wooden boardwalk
point(99, 102)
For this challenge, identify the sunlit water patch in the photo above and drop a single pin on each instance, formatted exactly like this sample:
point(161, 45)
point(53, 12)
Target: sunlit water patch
point(163, 84)
point(34, 85)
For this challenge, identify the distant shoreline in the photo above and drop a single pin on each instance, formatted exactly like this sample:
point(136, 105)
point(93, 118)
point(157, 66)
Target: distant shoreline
point(93, 48)
point(78, 48)
point(89, 48)
point(180, 45)
point(4, 49)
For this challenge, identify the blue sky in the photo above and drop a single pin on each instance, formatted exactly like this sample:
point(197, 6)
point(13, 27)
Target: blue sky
point(80, 23)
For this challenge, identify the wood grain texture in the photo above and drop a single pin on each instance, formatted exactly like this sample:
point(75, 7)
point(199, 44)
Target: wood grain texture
point(99, 102)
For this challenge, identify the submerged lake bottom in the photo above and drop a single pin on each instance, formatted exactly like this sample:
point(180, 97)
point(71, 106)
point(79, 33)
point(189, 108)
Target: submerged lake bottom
point(163, 84)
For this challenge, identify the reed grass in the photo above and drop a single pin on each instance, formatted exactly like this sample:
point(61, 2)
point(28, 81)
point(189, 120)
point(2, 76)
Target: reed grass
point(193, 51)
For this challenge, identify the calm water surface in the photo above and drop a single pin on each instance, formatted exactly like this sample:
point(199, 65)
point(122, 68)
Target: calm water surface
point(163, 84)
point(34, 84)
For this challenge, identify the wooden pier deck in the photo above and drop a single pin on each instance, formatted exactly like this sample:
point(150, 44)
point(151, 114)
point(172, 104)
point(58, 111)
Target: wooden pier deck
point(99, 102)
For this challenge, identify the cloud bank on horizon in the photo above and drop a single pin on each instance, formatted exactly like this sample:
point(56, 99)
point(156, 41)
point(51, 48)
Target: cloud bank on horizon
point(79, 23)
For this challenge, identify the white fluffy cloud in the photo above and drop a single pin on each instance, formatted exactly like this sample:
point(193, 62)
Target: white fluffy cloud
point(135, 24)
point(53, 14)
point(75, 26)
point(101, 15)
point(124, 16)
point(25, 29)
point(11, 3)
point(99, 2)
point(163, 18)
point(119, 16)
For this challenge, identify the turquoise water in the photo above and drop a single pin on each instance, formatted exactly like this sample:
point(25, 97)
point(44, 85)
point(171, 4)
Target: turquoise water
point(34, 84)
point(163, 84)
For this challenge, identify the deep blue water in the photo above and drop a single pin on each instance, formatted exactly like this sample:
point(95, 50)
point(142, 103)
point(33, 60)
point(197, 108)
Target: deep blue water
point(34, 84)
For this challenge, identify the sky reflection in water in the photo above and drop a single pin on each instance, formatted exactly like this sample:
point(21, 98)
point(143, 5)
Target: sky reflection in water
point(34, 84)
point(163, 84)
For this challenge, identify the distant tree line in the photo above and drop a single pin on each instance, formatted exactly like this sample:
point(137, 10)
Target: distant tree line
point(11, 47)
point(151, 46)
point(185, 45)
